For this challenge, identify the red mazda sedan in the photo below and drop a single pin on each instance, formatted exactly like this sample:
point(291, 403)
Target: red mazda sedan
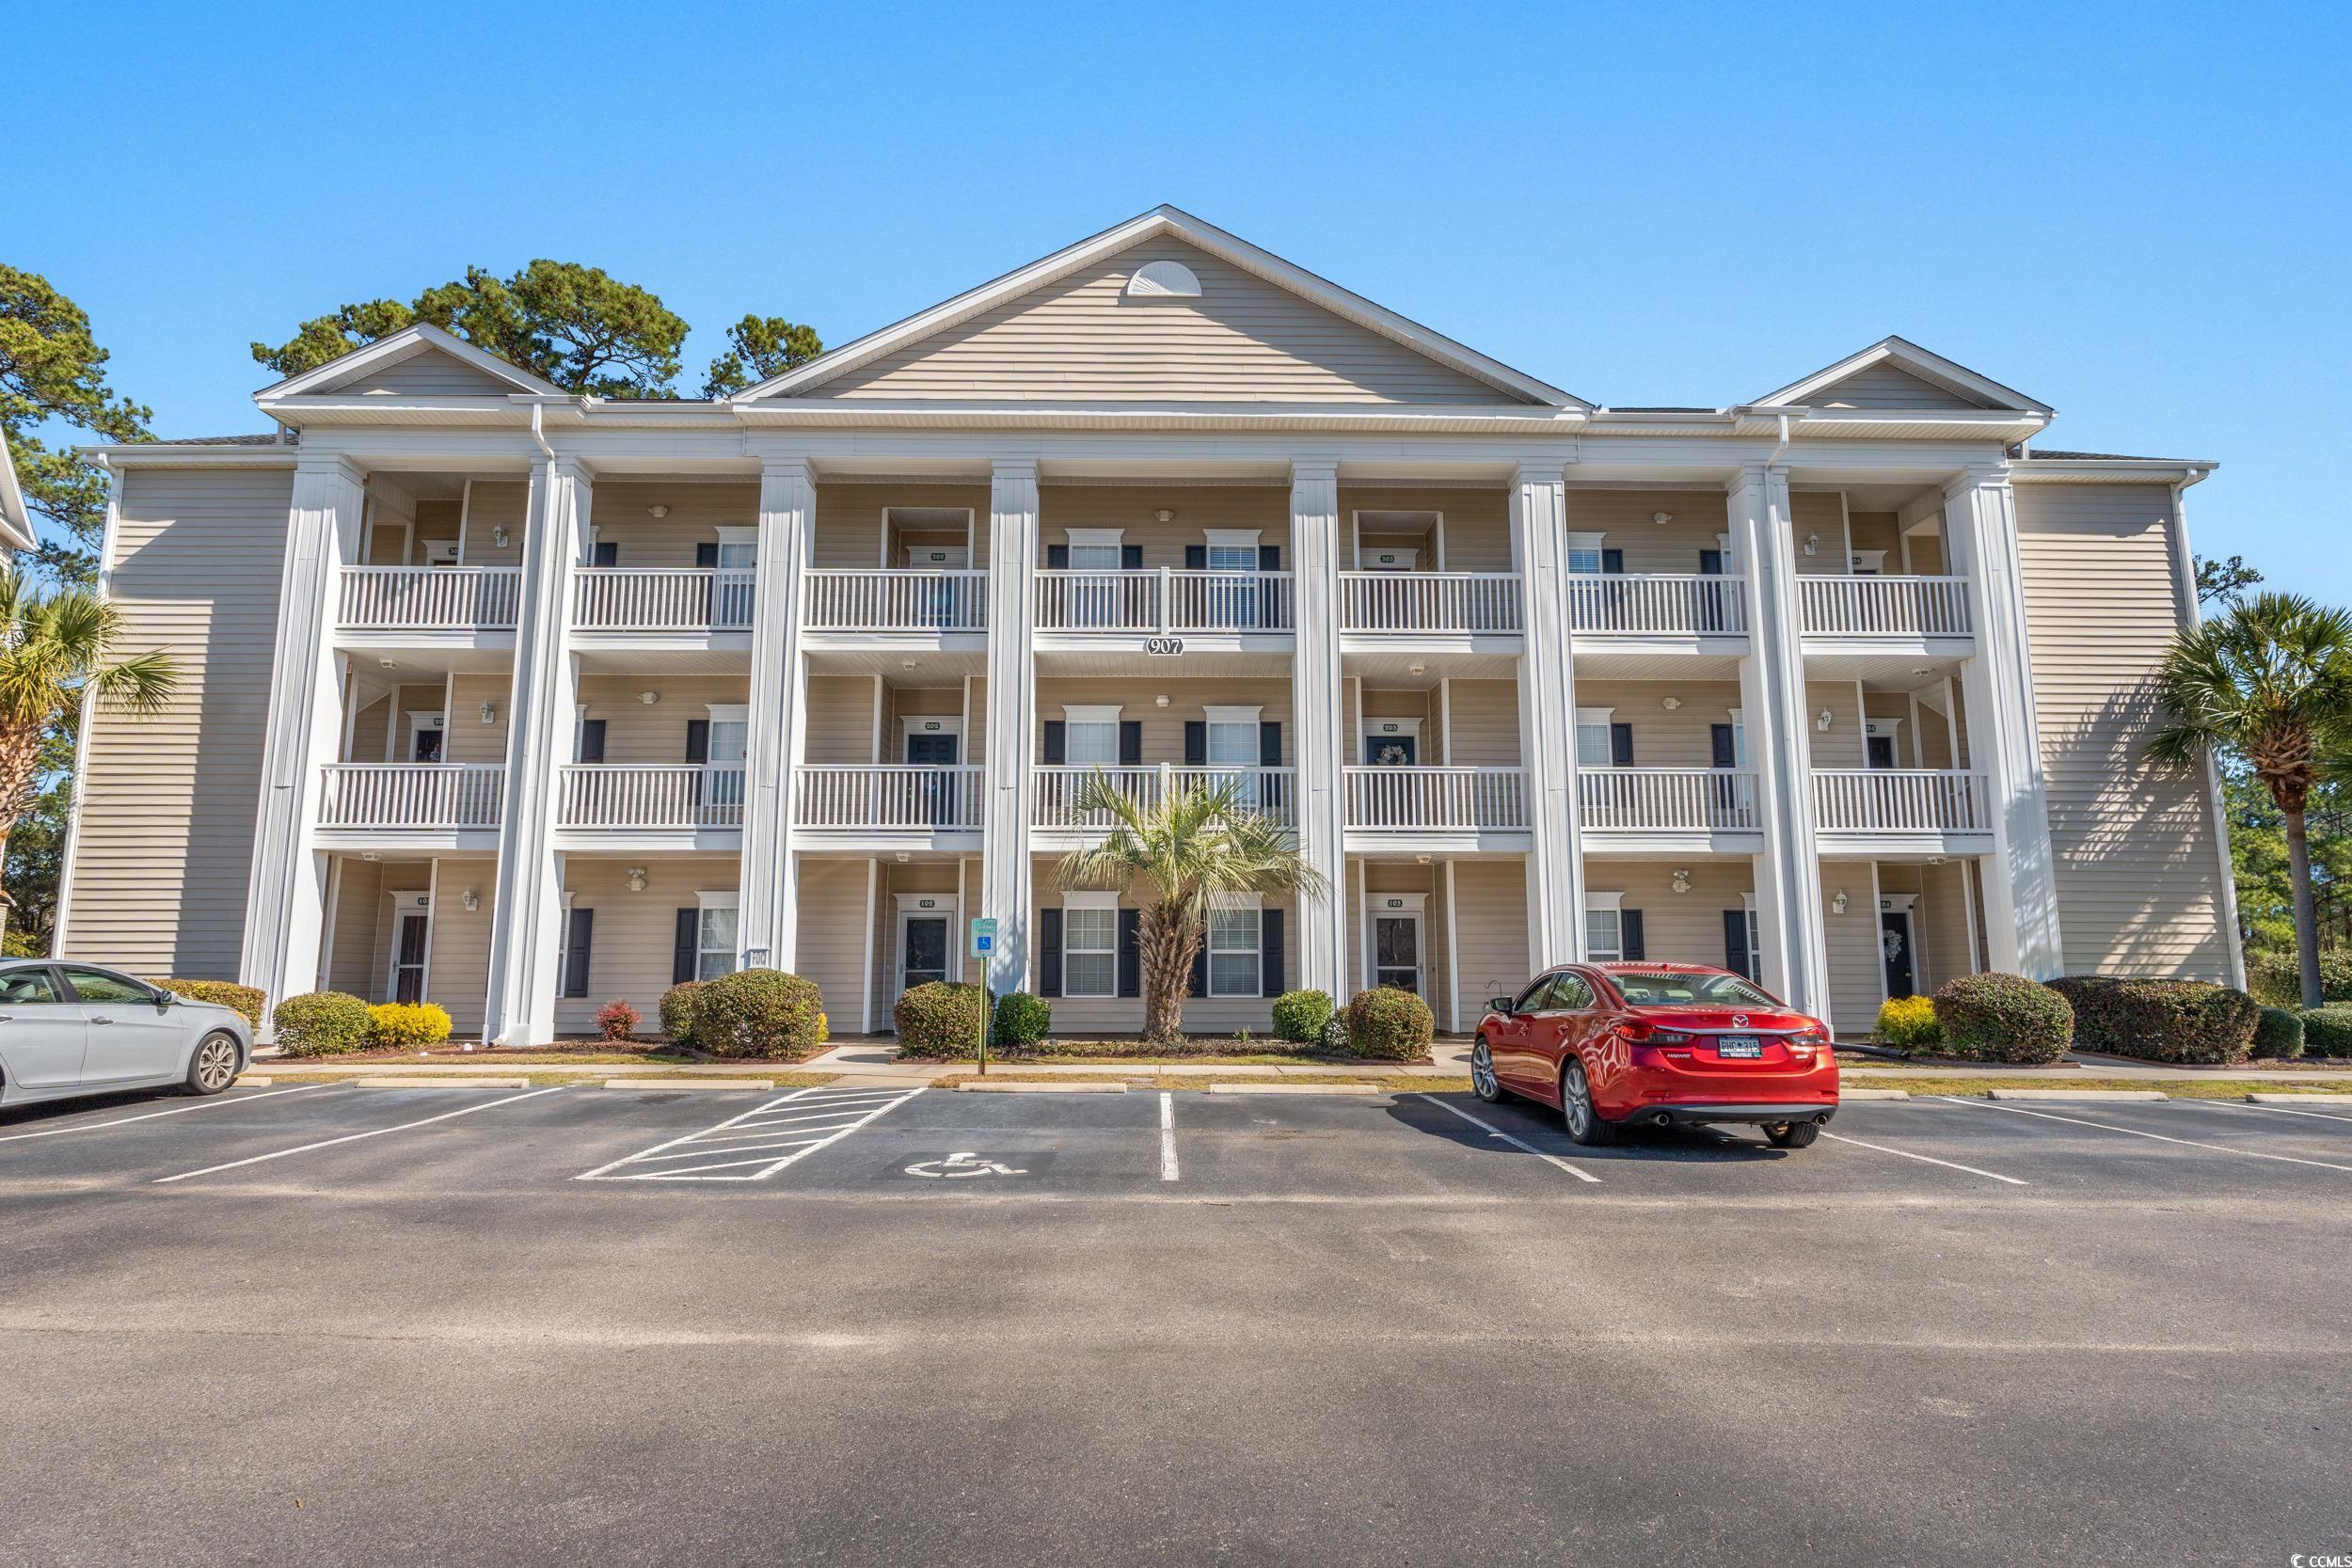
point(1649, 1044)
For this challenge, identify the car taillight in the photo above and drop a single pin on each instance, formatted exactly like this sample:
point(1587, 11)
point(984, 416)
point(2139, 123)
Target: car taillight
point(1642, 1032)
point(1807, 1039)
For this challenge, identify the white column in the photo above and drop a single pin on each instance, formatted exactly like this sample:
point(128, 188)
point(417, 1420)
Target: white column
point(2021, 917)
point(768, 921)
point(286, 899)
point(527, 938)
point(1792, 945)
point(1315, 722)
point(1555, 865)
point(1010, 779)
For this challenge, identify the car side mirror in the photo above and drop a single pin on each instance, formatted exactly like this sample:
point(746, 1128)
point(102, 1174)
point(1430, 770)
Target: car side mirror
point(1500, 1004)
point(163, 1000)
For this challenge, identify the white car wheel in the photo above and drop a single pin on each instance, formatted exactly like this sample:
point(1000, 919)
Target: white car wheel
point(213, 1067)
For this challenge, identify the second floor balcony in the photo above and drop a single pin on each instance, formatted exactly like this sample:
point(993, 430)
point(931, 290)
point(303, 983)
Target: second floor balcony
point(1657, 604)
point(1440, 603)
point(412, 796)
point(674, 599)
point(1666, 799)
point(428, 598)
point(1912, 801)
point(1903, 608)
point(1435, 800)
point(896, 601)
point(651, 797)
point(1167, 601)
point(1061, 791)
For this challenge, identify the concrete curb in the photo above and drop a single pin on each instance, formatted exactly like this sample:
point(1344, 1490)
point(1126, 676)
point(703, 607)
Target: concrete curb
point(469, 1082)
point(1846, 1094)
point(1000, 1085)
point(687, 1086)
point(2076, 1094)
point(2260, 1098)
point(251, 1080)
point(1296, 1088)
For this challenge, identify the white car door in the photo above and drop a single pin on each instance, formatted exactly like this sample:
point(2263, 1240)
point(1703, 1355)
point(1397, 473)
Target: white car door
point(129, 1037)
point(40, 1032)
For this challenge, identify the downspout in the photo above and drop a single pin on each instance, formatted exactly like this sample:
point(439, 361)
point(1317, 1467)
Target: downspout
point(1775, 456)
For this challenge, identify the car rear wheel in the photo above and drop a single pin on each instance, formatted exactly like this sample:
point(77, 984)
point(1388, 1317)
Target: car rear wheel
point(1791, 1135)
point(1577, 1108)
point(213, 1066)
point(1484, 1083)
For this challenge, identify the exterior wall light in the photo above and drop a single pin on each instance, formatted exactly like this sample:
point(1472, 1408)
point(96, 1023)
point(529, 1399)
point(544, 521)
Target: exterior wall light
point(1812, 543)
point(637, 878)
point(1671, 703)
point(649, 698)
point(1165, 516)
point(1837, 904)
point(489, 713)
point(1822, 720)
point(1661, 519)
point(1682, 882)
point(471, 899)
point(659, 511)
point(497, 536)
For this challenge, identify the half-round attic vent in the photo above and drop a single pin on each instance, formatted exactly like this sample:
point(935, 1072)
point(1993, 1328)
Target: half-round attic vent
point(1163, 280)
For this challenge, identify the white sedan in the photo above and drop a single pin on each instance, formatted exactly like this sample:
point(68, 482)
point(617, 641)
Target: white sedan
point(67, 1029)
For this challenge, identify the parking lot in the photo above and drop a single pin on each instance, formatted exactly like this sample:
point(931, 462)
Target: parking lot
point(873, 1322)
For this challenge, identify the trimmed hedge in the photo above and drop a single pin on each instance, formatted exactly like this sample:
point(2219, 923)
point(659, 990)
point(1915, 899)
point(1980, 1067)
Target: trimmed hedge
point(1907, 1022)
point(2327, 1031)
point(1390, 1025)
point(677, 1011)
point(1300, 1016)
point(2161, 1020)
point(2277, 980)
point(1020, 1020)
point(393, 1023)
point(940, 1019)
point(246, 1000)
point(2279, 1038)
point(321, 1023)
point(617, 1021)
point(2003, 1018)
point(761, 1013)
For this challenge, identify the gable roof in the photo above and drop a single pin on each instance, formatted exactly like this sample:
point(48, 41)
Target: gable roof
point(408, 344)
point(1908, 358)
point(1165, 221)
point(16, 524)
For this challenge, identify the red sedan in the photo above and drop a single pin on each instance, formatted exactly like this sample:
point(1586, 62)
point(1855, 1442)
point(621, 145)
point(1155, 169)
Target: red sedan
point(1658, 1045)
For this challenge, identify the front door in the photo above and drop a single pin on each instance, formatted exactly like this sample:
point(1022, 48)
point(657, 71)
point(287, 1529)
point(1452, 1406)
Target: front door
point(1882, 750)
point(40, 1031)
point(925, 955)
point(1396, 951)
point(1391, 750)
point(1894, 943)
point(408, 957)
point(934, 793)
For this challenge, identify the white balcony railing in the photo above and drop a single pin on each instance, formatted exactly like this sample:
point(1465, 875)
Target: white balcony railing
point(652, 794)
point(1690, 799)
point(1470, 602)
point(1884, 607)
point(1271, 790)
point(662, 598)
point(416, 795)
point(429, 598)
point(1166, 600)
point(896, 601)
point(1656, 604)
point(912, 799)
point(1899, 800)
point(1403, 799)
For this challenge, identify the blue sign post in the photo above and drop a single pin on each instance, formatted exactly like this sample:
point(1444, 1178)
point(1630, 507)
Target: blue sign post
point(984, 948)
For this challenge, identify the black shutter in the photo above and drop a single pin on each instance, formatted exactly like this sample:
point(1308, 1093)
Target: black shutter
point(1058, 557)
point(1131, 558)
point(1712, 563)
point(576, 952)
point(1049, 952)
point(1130, 953)
point(1198, 984)
point(1270, 745)
point(1621, 745)
point(1725, 749)
point(1130, 743)
point(591, 740)
point(683, 956)
point(1736, 942)
point(1056, 749)
point(608, 553)
point(698, 740)
point(1630, 925)
point(1269, 558)
point(1196, 558)
point(1270, 953)
point(1612, 561)
point(1195, 743)
point(707, 554)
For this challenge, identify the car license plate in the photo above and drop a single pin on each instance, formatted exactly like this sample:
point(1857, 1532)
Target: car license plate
point(1739, 1046)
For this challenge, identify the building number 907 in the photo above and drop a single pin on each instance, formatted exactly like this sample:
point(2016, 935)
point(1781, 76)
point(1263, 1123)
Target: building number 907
point(1164, 646)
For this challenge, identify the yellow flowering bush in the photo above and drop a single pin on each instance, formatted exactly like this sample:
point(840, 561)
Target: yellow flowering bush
point(1908, 1022)
point(408, 1023)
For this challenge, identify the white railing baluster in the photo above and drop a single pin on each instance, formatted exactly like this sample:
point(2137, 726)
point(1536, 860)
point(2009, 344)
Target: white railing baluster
point(1471, 602)
point(1401, 799)
point(1899, 800)
point(896, 601)
point(422, 796)
point(428, 598)
point(664, 599)
point(886, 798)
point(1843, 606)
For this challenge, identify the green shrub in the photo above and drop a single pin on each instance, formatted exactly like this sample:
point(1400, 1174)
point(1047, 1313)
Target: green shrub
point(399, 1023)
point(2276, 981)
point(1020, 1020)
point(2279, 1038)
point(243, 999)
point(321, 1023)
point(617, 1021)
point(2160, 1020)
point(759, 1012)
point(940, 1019)
point(1907, 1022)
point(2003, 1018)
point(1390, 1025)
point(1300, 1016)
point(677, 1011)
point(2327, 1031)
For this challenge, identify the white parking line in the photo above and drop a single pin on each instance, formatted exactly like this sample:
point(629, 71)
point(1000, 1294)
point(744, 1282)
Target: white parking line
point(2282, 1110)
point(1925, 1158)
point(1515, 1142)
point(812, 1119)
point(2160, 1138)
point(1167, 1136)
point(355, 1137)
point(150, 1115)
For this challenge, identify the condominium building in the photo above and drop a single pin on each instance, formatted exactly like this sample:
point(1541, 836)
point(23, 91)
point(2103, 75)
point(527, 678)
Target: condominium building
point(520, 700)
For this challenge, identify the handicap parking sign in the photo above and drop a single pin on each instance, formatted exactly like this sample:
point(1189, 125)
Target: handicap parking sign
point(983, 937)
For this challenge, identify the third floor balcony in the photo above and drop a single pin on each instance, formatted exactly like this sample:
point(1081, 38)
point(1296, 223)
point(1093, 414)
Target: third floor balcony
point(1895, 608)
point(1169, 601)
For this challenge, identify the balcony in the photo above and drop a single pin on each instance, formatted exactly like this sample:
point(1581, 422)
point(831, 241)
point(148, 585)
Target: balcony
point(896, 601)
point(428, 598)
point(1435, 800)
point(1905, 608)
point(1165, 601)
point(1919, 802)
point(1459, 604)
point(1665, 800)
point(888, 799)
point(1657, 604)
point(412, 796)
point(1271, 790)
point(662, 599)
point(651, 797)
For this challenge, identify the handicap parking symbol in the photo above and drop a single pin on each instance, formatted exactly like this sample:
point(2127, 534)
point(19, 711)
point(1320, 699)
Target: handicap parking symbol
point(958, 1166)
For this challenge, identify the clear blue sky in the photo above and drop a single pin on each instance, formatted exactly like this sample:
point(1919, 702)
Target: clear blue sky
point(2135, 212)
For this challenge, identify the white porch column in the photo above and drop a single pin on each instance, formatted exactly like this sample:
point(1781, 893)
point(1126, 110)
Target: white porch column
point(1792, 945)
point(1315, 722)
point(2021, 917)
point(527, 938)
point(768, 921)
point(1010, 778)
point(286, 900)
point(1555, 866)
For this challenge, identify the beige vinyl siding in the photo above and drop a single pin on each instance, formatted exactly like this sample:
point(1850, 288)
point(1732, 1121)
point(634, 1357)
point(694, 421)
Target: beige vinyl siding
point(1927, 553)
point(1677, 927)
point(1818, 515)
point(1680, 738)
point(1080, 1016)
point(1857, 971)
point(438, 517)
point(353, 919)
point(850, 519)
point(1164, 727)
point(2139, 866)
point(397, 876)
point(467, 738)
point(1876, 530)
point(1935, 740)
point(460, 979)
point(1842, 746)
point(164, 851)
point(1885, 708)
point(975, 722)
point(1477, 525)
point(833, 937)
point(635, 731)
point(1492, 924)
point(388, 544)
point(369, 728)
point(427, 372)
point(623, 516)
point(1486, 724)
point(1697, 521)
point(493, 504)
point(1243, 341)
point(1947, 945)
point(840, 728)
point(1884, 386)
point(633, 941)
point(1130, 507)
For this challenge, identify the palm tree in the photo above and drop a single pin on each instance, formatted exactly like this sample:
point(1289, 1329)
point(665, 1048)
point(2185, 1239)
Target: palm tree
point(2272, 683)
point(1179, 855)
point(54, 647)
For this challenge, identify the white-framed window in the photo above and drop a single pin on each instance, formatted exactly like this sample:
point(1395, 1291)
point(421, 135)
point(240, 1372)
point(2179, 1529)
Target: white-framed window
point(1090, 737)
point(714, 938)
point(1089, 943)
point(1235, 964)
point(1233, 743)
point(730, 734)
point(1592, 737)
point(1584, 552)
point(1739, 739)
point(1604, 927)
point(1095, 549)
point(1232, 549)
